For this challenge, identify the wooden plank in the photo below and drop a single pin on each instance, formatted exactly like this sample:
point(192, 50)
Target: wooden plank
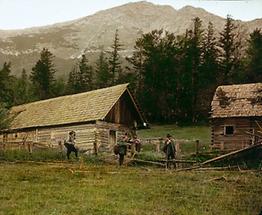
point(230, 154)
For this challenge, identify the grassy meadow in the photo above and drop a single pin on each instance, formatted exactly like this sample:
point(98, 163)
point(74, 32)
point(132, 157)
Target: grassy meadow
point(46, 183)
point(65, 188)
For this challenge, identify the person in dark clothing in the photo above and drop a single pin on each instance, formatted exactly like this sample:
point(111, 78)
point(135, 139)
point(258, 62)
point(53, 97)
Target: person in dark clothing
point(170, 150)
point(122, 148)
point(70, 144)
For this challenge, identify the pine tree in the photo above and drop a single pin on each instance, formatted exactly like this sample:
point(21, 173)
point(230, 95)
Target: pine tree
point(42, 75)
point(192, 68)
point(6, 82)
point(73, 85)
point(102, 71)
point(137, 62)
point(114, 61)
point(4, 117)
point(208, 71)
point(81, 77)
point(22, 92)
point(86, 74)
point(209, 66)
point(153, 62)
point(229, 43)
point(59, 87)
point(254, 56)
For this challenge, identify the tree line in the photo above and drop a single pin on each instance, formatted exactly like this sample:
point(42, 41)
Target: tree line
point(172, 76)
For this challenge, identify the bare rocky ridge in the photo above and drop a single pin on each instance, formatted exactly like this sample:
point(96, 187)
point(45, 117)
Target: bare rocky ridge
point(68, 40)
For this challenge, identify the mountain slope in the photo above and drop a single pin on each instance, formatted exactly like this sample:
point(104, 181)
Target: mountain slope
point(69, 40)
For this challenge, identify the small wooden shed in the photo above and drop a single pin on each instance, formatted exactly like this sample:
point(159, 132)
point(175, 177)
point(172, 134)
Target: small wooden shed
point(236, 116)
point(97, 117)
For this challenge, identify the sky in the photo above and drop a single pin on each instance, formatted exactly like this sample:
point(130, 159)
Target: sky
point(19, 14)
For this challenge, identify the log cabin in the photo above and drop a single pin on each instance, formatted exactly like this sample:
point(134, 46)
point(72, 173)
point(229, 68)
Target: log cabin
point(236, 116)
point(98, 117)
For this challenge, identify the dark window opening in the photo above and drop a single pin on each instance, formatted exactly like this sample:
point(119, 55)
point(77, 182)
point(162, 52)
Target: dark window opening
point(229, 130)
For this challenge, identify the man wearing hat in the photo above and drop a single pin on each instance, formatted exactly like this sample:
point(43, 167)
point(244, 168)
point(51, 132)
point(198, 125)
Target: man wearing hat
point(170, 150)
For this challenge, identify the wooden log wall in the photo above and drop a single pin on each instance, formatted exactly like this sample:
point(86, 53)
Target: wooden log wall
point(89, 137)
point(18, 140)
point(239, 139)
point(103, 132)
point(85, 135)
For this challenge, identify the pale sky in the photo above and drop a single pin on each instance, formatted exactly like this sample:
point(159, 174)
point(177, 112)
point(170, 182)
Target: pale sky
point(17, 14)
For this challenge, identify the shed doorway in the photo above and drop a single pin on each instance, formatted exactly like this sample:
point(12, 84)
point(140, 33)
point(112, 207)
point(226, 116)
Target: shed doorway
point(112, 138)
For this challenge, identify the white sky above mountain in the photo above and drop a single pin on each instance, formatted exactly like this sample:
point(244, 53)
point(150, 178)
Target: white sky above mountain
point(17, 14)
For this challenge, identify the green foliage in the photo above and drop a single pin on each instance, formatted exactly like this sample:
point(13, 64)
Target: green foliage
point(23, 90)
point(102, 70)
point(114, 63)
point(81, 77)
point(254, 57)
point(4, 117)
point(6, 80)
point(42, 75)
point(172, 77)
point(59, 87)
point(230, 44)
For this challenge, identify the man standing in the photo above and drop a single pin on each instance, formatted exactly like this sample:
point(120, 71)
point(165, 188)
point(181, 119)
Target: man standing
point(122, 148)
point(170, 150)
point(70, 144)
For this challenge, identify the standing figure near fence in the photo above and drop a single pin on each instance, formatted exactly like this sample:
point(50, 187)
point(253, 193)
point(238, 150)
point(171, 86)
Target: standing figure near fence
point(70, 144)
point(136, 144)
point(122, 148)
point(170, 151)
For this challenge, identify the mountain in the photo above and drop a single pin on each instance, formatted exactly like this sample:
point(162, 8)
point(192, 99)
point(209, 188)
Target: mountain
point(68, 40)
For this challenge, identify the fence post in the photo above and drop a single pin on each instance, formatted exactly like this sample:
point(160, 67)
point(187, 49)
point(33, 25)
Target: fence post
point(197, 147)
point(158, 146)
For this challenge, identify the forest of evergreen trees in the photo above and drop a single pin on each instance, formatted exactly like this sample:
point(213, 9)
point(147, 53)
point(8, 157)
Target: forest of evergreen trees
point(172, 76)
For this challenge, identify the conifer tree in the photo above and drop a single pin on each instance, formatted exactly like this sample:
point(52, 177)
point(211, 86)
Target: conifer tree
point(42, 75)
point(6, 82)
point(254, 56)
point(102, 71)
point(73, 85)
point(192, 64)
point(81, 77)
point(229, 43)
point(209, 65)
point(4, 117)
point(86, 75)
point(23, 89)
point(137, 62)
point(114, 61)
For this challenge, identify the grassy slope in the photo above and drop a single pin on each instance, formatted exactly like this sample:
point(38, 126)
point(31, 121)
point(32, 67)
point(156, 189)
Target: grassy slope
point(47, 189)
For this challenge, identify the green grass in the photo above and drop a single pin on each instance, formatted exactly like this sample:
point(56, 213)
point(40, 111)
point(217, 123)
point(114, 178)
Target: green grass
point(96, 190)
point(191, 133)
point(89, 186)
point(187, 136)
point(38, 155)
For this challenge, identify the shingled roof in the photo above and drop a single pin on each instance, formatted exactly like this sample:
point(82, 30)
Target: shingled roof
point(82, 107)
point(243, 100)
